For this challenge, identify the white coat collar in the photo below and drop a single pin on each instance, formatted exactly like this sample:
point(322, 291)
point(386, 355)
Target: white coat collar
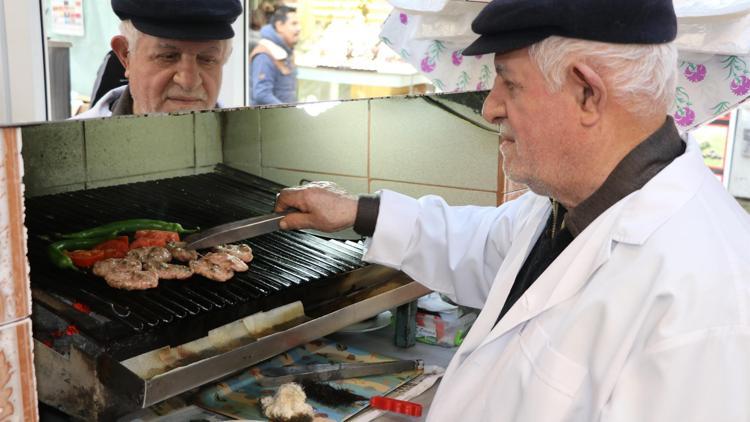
point(102, 107)
point(659, 199)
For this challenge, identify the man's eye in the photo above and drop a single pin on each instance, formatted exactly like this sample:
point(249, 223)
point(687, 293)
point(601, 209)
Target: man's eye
point(510, 85)
point(208, 60)
point(168, 57)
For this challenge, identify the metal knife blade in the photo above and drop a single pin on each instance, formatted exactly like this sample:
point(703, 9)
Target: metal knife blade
point(325, 372)
point(236, 230)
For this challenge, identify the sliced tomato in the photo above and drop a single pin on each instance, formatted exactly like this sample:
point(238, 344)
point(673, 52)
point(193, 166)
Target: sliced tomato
point(158, 234)
point(113, 253)
point(114, 248)
point(145, 242)
point(85, 258)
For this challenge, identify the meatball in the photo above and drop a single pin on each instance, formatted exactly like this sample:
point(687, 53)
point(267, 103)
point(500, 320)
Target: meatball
point(132, 280)
point(241, 251)
point(102, 268)
point(226, 260)
point(178, 251)
point(210, 270)
point(168, 271)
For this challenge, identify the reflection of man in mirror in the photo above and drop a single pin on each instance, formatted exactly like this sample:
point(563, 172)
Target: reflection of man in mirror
point(173, 54)
point(274, 76)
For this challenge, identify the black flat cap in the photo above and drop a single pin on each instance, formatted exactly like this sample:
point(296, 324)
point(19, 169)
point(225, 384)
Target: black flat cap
point(198, 20)
point(505, 25)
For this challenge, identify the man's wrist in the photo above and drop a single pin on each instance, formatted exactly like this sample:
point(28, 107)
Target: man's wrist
point(368, 207)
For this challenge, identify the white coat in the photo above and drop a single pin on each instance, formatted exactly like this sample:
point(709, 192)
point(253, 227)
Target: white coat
point(644, 317)
point(102, 107)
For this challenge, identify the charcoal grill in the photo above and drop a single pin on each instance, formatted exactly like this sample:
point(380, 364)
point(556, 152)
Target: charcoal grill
point(85, 329)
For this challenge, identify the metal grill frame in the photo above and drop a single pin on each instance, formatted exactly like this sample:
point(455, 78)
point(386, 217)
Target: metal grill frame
point(95, 385)
point(288, 266)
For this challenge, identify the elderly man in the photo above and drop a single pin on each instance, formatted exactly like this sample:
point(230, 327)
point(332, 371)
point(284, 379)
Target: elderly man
point(173, 53)
point(619, 288)
point(273, 73)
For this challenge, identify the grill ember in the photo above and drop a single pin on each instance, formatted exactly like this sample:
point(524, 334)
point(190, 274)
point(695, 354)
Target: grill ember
point(287, 266)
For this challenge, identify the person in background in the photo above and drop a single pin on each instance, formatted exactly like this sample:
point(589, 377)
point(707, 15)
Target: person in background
point(273, 73)
point(173, 54)
point(618, 288)
point(258, 18)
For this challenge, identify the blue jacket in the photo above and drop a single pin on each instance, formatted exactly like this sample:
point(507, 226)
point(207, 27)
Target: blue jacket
point(273, 74)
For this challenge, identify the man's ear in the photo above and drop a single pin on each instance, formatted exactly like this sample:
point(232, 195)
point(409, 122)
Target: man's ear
point(120, 47)
point(590, 92)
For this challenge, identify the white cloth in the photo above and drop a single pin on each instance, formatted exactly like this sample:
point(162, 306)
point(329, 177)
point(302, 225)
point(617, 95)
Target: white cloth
point(102, 107)
point(644, 317)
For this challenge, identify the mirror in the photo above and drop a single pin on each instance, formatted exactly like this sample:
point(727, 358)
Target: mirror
point(338, 56)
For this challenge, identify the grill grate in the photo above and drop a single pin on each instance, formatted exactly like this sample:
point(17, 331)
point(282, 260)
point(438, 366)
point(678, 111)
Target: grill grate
point(287, 266)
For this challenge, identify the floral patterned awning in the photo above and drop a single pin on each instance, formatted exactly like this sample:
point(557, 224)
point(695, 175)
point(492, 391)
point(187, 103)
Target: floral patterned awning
point(709, 85)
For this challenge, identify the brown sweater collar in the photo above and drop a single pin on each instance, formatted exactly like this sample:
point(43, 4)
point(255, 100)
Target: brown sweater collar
point(635, 170)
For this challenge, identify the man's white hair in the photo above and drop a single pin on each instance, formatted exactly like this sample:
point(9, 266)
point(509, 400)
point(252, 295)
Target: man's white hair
point(132, 34)
point(641, 77)
point(128, 30)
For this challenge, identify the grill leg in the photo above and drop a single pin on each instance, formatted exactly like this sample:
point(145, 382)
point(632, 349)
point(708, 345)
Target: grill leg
point(406, 325)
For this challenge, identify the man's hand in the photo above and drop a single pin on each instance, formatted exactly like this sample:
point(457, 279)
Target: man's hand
point(323, 206)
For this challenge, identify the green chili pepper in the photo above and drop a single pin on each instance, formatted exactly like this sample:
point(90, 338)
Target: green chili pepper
point(57, 255)
point(117, 227)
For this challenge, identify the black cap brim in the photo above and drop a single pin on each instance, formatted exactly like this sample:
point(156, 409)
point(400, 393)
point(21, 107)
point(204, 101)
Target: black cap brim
point(504, 42)
point(195, 31)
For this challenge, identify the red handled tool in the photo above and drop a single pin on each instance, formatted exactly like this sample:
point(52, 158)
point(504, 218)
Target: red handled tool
point(397, 406)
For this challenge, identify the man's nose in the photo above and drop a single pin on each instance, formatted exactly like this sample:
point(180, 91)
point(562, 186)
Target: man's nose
point(188, 75)
point(493, 109)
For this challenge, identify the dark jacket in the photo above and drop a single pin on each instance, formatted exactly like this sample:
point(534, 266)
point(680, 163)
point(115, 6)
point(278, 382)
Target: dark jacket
point(273, 74)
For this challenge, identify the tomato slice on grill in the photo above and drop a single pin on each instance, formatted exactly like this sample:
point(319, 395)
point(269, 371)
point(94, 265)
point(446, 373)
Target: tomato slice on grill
point(158, 234)
point(145, 242)
point(115, 248)
point(85, 258)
